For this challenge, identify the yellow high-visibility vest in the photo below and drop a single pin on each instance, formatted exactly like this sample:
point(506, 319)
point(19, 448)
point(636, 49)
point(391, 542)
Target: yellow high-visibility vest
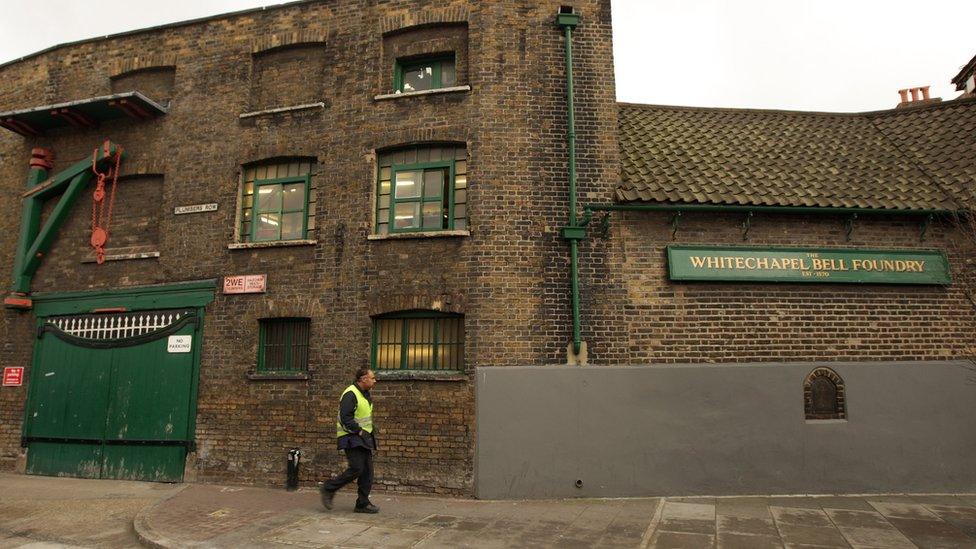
point(363, 415)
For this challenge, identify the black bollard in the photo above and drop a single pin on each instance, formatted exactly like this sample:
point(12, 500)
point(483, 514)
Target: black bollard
point(294, 456)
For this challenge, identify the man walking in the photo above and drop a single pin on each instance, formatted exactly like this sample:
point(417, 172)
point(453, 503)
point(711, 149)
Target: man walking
point(354, 427)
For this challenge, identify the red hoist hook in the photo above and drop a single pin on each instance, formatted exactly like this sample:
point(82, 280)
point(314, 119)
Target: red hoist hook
point(99, 234)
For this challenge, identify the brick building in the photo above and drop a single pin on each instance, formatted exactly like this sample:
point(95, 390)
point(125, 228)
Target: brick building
point(319, 186)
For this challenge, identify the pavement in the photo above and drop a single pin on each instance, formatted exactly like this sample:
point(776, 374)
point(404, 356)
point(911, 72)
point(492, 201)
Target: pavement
point(43, 512)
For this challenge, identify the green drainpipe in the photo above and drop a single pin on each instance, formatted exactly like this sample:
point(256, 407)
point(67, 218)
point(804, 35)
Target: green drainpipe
point(568, 20)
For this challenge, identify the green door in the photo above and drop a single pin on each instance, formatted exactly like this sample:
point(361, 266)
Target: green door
point(111, 395)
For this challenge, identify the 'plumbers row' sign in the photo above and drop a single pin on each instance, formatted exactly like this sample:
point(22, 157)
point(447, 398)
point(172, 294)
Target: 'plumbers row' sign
point(747, 264)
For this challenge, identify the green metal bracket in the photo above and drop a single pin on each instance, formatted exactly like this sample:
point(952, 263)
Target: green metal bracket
point(849, 226)
point(925, 227)
point(605, 226)
point(573, 233)
point(675, 218)
point(746, 225)
point(567, 18)
point(35, 240)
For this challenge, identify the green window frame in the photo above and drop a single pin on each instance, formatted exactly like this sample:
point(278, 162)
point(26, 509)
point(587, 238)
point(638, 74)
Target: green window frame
point(277, 201)
point(422, 188)
point(270, 215)
point(418, 340)
point(283, 345)
point(425, 73)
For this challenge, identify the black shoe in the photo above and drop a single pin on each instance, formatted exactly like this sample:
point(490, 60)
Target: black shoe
point(369, 508)
point(327, 496)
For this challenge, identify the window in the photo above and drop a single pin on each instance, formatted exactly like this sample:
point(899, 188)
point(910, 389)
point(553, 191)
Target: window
point(277, 201)
point(422, 189)
point(419, 340)
point(427, 73)
point(283, 345)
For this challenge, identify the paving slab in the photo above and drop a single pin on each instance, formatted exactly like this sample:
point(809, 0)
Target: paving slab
point(794, 502)
point(681, 540)
point(838, 502)
point(746, 525)
point(692, 518)
point(868, 529)
point(933, 534)
point(963, 518)
point(819, 536)
point(915, 511)
point(803, 517)
point(754, 507)
point(729, 540)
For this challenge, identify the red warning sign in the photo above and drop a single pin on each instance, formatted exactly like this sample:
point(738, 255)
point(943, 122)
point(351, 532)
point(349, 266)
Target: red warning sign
point(13, 376)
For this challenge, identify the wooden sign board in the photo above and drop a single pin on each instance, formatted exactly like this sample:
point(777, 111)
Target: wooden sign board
point(837, 265)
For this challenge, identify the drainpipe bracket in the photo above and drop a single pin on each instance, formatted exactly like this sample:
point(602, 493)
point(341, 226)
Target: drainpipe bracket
point(573, 233)
point(570, 20)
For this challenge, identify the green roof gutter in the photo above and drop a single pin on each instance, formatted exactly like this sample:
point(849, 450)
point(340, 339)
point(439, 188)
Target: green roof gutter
point(718, 208)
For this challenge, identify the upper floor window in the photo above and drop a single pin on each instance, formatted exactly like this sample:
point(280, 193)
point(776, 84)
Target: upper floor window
point(426, 73)
point(422, 188)
point(276, 201)
point(425, 57)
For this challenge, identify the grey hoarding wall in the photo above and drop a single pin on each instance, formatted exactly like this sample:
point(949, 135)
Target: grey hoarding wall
point(722, 430)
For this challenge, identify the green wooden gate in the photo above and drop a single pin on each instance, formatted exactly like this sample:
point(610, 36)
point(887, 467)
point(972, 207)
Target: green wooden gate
point(113, 395)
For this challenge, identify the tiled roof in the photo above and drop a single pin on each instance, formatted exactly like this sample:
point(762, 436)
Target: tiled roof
point(900, 160)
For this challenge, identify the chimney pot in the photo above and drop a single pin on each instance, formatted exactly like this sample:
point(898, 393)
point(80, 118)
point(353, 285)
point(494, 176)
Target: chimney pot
point(904, 95)
point(925, 93)
point(914, 94)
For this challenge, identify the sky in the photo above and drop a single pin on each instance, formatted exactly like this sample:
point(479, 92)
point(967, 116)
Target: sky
point(825, 55)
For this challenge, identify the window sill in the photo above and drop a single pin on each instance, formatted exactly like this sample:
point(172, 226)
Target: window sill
point(825, 421)
point(419, 375)
point(419, 234)
point(452, 89)
point(307, 106)
point(278, 376)
point(272, 244)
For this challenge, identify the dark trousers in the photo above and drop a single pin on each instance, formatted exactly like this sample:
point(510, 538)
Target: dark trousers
point(360, 467)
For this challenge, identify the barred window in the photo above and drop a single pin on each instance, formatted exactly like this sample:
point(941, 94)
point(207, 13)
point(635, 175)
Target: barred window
point(418, 340)
point(283, 345)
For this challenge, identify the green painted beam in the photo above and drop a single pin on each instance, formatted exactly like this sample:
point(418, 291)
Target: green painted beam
point(30, 223)
point(35, 241)
point(60, 181)
point(45, 238)
point(197, 293)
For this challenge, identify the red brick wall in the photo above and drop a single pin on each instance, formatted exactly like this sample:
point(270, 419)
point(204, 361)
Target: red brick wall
point(633, 314)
